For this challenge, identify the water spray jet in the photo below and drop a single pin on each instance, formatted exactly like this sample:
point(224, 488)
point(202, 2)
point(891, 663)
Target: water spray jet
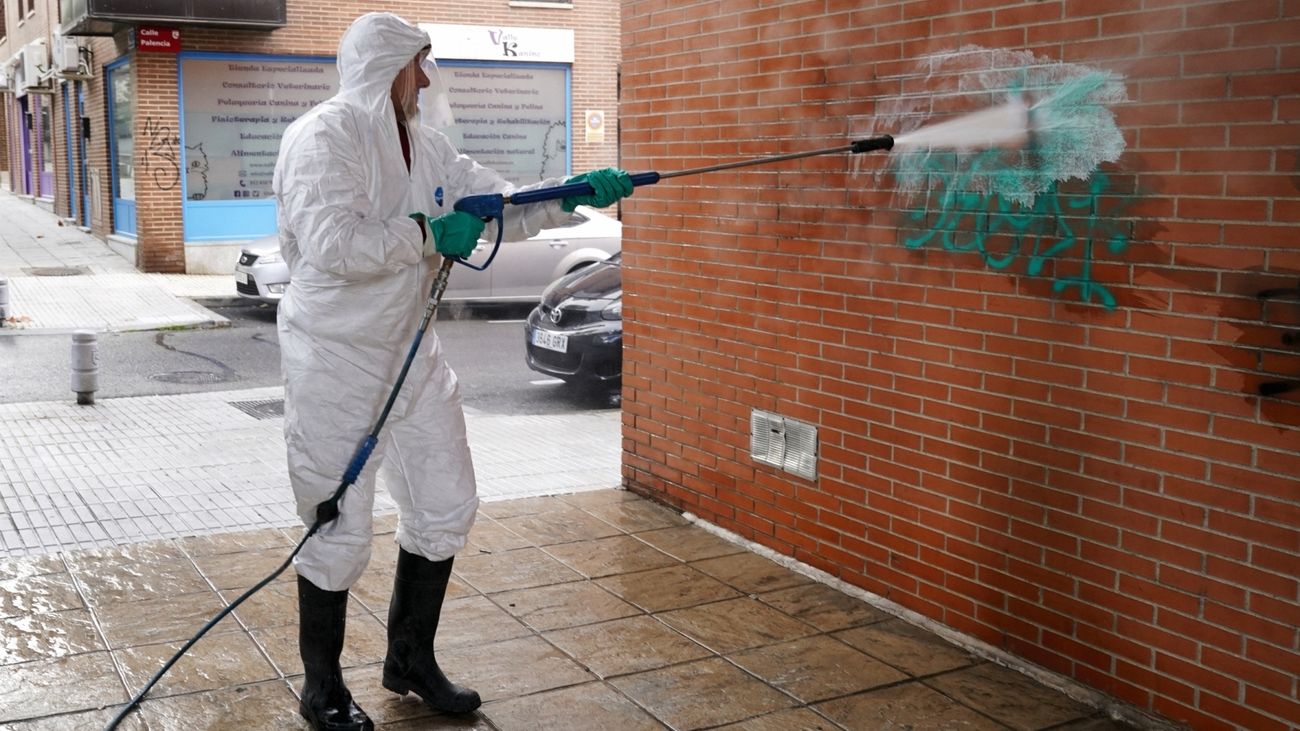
point(1011, 125)
point(1007, 125)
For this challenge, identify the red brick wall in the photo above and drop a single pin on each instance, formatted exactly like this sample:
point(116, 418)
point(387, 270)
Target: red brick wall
point(157, 165)
point(1102, 492)
point(60, 140)
point(17, 35)
point(104, 51)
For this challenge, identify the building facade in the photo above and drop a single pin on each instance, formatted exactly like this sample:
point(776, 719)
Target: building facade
point(1047, 403)
point(159, 133)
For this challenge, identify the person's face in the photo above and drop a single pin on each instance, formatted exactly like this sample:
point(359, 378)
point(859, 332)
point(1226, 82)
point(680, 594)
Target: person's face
point(406, 87)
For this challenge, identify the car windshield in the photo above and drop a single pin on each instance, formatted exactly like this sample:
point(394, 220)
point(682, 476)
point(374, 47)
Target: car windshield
point(615, 259)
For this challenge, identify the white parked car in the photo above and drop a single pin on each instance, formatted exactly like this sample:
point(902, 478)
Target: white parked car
point(520, 272)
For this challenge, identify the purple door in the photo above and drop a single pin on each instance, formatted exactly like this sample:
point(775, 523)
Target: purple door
point(45, 147)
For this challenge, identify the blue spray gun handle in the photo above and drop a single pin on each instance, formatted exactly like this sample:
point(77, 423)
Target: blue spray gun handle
point(491, 206)
point(568, 190)
point(485, 207)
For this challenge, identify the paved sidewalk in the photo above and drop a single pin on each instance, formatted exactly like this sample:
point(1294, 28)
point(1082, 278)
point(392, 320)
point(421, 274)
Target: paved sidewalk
point(136, 469)
point(62, 278)
point(591, 612)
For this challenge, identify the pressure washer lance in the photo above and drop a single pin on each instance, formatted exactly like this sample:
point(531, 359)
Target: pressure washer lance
point(491, 205)
point(487, 207)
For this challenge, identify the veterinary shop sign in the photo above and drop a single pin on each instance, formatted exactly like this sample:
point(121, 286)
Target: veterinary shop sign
point(154, 39)
point(512, 118)
point(501, 43)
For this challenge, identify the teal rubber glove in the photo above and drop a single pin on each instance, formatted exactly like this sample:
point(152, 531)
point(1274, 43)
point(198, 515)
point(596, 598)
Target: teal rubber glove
point(451, 234)
point(611, 184)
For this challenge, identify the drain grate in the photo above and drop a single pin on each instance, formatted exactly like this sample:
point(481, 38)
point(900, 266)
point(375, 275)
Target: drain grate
point(190, 378)
point(56, 271)
point(261, 409)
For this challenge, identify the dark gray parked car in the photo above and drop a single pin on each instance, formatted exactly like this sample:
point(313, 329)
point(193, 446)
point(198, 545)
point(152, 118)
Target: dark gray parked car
point(576, 333)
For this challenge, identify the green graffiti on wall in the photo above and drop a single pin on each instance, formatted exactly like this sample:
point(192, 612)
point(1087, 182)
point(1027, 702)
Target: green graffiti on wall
point(1056, 227)
point(1019, 178)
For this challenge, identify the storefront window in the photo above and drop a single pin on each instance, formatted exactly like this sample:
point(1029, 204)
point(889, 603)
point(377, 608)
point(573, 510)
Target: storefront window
point(123, 136)
point(236, 110)
point(512, 118)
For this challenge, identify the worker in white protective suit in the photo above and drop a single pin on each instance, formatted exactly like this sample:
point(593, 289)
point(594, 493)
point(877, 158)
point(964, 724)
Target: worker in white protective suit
point(365, 193)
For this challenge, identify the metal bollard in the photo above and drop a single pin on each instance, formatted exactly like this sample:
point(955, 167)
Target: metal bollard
point(85, 365)
point(4, 300)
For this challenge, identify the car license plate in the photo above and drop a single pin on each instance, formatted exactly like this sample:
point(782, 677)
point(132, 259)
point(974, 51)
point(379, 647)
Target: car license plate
point(241, 277)
point(551, 341)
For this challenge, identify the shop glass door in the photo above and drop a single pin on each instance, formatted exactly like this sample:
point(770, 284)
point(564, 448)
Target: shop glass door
point(71, 166)
point(27, 169)
point(121, 117)
point(45, 152)
point(84, 176)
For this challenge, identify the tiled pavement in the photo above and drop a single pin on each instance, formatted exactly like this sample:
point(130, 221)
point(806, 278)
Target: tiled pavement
point(133, 469)
point(598, 610)
point(61, 278)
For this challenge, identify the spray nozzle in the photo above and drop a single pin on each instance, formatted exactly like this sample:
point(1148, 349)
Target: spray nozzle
point(882, 142)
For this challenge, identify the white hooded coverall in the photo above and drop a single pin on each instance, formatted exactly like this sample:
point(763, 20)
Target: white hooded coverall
point(358, 287)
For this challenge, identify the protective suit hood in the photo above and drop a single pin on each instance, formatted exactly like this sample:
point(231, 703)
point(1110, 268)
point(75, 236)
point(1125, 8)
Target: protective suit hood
point(373, 49)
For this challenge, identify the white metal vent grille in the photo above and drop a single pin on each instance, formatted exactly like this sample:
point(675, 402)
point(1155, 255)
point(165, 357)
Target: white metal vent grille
point(785, 443)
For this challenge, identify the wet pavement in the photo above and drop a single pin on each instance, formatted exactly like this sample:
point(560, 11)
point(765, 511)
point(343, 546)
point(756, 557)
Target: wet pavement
point(586, 610)
point(595, 610)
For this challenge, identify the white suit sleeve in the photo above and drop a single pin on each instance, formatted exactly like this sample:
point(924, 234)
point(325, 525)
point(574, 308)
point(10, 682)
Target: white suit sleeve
point(465, 177)
point(335, 222)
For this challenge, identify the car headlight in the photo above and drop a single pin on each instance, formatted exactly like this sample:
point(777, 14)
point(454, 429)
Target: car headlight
point(272, 258)
point(613, 311)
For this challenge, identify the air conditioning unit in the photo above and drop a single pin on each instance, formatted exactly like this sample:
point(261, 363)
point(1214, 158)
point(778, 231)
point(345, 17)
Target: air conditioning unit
point(16, 68)
point(71, 61)
point(4, 79)
point(67, 54)
point(36, 62)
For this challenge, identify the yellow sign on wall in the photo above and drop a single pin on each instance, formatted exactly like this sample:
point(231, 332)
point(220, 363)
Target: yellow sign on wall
point(595, 125)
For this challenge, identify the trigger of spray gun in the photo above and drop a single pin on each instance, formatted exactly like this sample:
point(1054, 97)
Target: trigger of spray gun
point(486, 207)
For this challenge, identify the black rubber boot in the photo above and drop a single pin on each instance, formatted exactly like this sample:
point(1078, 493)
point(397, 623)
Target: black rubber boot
point(326, 703)
point(413, 613)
